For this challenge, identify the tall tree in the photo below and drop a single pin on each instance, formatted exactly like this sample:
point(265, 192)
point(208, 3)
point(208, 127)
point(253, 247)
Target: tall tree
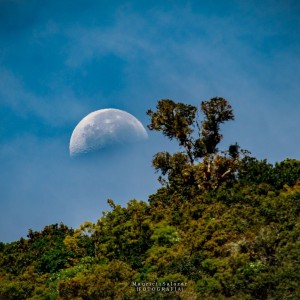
point(199, 140)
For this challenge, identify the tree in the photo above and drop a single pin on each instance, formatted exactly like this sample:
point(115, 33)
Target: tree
point(179, 121)
point(176, 121)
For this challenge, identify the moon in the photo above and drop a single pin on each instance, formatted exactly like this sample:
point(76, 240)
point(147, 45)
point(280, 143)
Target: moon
point(103, 128)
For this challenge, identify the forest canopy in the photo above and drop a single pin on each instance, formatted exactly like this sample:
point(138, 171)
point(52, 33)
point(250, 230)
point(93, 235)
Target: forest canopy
point(223, 225)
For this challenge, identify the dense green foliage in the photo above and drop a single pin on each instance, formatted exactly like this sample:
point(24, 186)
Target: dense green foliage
point(223, 223)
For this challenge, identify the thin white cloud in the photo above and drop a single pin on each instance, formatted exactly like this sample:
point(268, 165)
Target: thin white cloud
point(57, 109)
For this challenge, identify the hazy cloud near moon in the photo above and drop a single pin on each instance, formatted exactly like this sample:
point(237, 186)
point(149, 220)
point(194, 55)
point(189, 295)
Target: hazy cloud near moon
point(54, 188)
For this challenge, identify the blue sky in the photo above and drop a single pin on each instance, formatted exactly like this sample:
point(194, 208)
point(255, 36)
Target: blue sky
point(60, 60)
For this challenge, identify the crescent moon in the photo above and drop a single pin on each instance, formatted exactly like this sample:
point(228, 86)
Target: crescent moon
point(103, 128)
